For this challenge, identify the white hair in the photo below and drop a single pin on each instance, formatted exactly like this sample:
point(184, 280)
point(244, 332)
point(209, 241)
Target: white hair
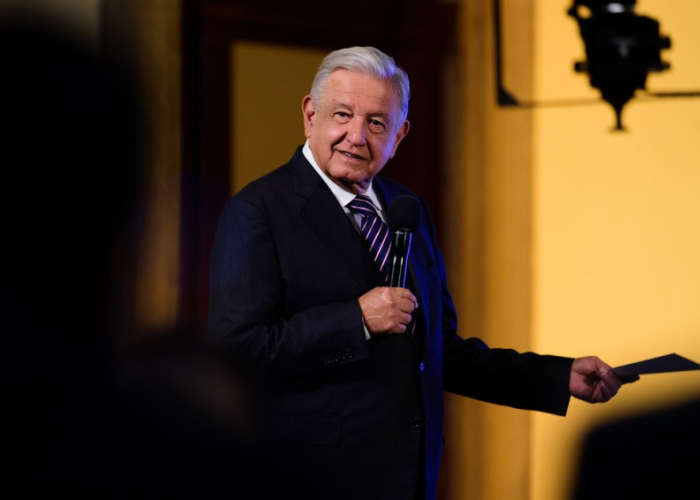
point(367, 61)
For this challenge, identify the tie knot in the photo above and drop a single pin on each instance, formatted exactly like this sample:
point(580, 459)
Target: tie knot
point(362, 205)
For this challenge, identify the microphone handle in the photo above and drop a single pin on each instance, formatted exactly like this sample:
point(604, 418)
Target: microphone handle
point(400, 246)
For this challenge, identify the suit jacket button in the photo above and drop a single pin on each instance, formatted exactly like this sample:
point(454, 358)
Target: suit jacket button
point(414, 423)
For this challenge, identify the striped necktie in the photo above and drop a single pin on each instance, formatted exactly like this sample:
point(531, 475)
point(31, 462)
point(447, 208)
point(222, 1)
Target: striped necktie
point(375, 232)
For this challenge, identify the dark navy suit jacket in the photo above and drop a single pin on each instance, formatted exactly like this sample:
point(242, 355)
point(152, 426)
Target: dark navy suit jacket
point(347, 417)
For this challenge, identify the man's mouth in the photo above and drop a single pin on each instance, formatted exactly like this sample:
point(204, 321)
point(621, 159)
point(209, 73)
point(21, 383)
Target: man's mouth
point(351, 155)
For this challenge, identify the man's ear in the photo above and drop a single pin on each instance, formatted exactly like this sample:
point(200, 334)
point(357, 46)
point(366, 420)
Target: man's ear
point(309, 111)
point(399, 135)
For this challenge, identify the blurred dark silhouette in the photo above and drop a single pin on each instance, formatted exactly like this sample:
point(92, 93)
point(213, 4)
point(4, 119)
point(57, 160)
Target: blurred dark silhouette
point(82, 415)
point(650, 456)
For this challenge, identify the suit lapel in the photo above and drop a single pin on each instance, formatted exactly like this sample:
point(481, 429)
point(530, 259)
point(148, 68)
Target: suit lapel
point(330, 223)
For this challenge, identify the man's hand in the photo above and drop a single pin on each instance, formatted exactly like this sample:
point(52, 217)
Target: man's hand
point(387, 309)
point(594, 381)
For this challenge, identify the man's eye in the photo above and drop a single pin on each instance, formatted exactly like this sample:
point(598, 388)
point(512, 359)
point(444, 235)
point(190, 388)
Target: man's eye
point(376, 126)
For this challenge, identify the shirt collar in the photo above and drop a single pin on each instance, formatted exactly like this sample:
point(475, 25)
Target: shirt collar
point(344, 197)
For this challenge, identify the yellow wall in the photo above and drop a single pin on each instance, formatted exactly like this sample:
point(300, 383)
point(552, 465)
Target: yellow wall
point(578, 240)
point(616, 229)
point(269, 82)
point(489, 271)
point(156, 27)
point(149, 34)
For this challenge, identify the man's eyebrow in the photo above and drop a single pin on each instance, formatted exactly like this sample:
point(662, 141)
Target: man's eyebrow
point(340, 104)
point(381, 114)
point(372, 114)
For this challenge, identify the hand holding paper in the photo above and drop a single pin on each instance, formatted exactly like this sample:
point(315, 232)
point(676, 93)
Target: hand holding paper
point(594, 381)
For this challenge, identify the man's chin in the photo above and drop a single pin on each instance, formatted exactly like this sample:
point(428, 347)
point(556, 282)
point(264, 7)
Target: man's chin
point(352, 183)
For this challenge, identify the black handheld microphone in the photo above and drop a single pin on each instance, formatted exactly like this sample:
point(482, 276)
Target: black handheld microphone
point(403, 219)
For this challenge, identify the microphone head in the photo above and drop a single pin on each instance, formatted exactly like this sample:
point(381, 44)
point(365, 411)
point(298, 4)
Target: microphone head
point(403, 213)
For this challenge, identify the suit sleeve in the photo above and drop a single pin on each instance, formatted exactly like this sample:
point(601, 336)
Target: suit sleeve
point(247, 311)
point(501, 376)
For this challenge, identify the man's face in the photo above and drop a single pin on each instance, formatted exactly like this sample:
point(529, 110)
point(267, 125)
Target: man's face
point(355, 128)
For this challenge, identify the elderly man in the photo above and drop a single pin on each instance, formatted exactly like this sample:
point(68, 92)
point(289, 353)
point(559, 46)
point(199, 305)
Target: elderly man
point(355, 370)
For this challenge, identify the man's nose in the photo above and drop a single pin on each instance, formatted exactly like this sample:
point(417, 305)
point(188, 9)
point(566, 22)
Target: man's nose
point(356, 132)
